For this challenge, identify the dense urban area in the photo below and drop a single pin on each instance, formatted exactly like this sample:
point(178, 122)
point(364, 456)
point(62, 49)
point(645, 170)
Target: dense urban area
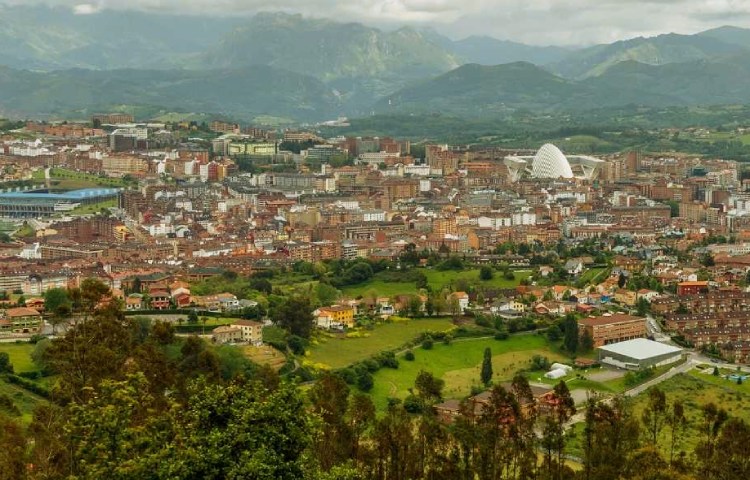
point(509, 305)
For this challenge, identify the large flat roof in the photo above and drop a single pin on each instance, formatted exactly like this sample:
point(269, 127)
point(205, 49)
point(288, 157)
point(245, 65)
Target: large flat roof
point(640, 348)
point(71, 195)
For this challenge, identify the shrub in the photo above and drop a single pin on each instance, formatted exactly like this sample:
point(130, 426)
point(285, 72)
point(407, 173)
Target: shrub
point(392, 401)
point(427, 343)
point(412, 404)
point(502, 335)
point(296, 344)
point(388, 359)
point(365, 382)
point(409, 356)
point(371, 365)
point(348, 375)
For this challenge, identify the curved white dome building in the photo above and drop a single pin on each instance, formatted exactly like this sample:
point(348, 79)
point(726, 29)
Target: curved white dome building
point(549, 162)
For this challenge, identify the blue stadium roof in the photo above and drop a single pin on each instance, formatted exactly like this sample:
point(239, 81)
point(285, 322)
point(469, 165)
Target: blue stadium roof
point(72, 195)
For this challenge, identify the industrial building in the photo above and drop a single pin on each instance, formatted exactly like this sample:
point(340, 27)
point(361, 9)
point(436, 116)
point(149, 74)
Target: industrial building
point(639, 353)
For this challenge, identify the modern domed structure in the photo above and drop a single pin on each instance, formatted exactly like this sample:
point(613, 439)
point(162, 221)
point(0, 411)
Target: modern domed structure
point(549, 162)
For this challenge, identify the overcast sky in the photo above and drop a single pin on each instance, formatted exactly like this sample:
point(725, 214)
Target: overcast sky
point(539, 22)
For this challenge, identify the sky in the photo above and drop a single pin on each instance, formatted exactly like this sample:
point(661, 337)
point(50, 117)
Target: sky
point(536, 22)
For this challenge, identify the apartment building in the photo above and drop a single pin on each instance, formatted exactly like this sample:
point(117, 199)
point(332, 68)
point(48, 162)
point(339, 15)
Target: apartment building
point(613, 328)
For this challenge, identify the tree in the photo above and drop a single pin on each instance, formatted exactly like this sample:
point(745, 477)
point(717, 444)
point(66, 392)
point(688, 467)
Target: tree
point(429, 388)
point(295, 315)
point(415, 305)
point(329, 398)
point(486, 374)
point(678, 424)
point(192, 317)
point(429, 306)
point(622, 280)
point(326, 294)
point(570, 337)
point(586, 341)
point(13, 454)
point(486, 273)
point(655, 415)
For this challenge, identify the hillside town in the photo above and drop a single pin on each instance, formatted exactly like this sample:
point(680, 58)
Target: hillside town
point(158, 208)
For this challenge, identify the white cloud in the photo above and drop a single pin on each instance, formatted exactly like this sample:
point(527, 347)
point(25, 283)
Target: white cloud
point(569, 22)
point(85, 9)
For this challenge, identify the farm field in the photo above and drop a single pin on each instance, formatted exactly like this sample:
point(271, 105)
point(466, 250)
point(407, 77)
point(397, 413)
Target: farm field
point(265, 355)
point(336, 351)
point(459, 365)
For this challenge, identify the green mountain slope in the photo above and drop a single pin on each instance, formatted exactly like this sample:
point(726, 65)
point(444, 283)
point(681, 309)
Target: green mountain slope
point(729, 34)
point(491, 51)
point(477, 90)
point(39, 37)
point(240, 93)
point(660, 50)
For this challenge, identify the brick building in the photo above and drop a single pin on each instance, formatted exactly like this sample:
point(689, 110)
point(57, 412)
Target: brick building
point(613, 328)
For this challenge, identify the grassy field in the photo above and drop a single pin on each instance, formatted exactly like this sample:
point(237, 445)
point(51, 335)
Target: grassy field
point(336, 351)
point(20, 356)
point(93, 207)
point(73, 179)
point(23, 399)
point(459, 365)
point(437, 280)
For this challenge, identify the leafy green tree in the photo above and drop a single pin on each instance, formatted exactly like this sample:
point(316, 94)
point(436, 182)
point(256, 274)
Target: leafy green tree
point(240, 431)
point(486, 273)
point(429, 388)
point(486, 374)
point(326, 294)
point(295, 315)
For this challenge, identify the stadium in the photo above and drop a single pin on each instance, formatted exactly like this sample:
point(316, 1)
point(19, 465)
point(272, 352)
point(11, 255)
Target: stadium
point(41, 204)
point(550, 162)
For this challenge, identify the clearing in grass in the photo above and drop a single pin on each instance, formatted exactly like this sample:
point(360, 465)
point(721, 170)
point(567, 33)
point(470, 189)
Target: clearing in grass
point(340, 350)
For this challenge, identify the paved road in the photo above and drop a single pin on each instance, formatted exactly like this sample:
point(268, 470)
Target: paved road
point(693, 360)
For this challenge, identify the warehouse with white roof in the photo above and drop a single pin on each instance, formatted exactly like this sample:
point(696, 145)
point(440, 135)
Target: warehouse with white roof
point(639, 353)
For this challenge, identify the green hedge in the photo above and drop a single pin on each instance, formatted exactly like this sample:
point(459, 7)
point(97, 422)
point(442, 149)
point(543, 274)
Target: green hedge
point(27, 384)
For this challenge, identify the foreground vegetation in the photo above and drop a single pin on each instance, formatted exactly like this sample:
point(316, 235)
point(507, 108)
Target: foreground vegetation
point(128, 399)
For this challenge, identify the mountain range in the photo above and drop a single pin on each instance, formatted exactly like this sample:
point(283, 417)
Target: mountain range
point(59, 64)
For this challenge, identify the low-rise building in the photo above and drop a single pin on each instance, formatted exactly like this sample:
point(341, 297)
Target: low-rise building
point(21, 320)
point(639, 353)
point(337, 316)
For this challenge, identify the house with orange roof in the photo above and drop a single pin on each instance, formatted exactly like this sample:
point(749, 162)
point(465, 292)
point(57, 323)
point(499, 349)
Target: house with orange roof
point(21, 320)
